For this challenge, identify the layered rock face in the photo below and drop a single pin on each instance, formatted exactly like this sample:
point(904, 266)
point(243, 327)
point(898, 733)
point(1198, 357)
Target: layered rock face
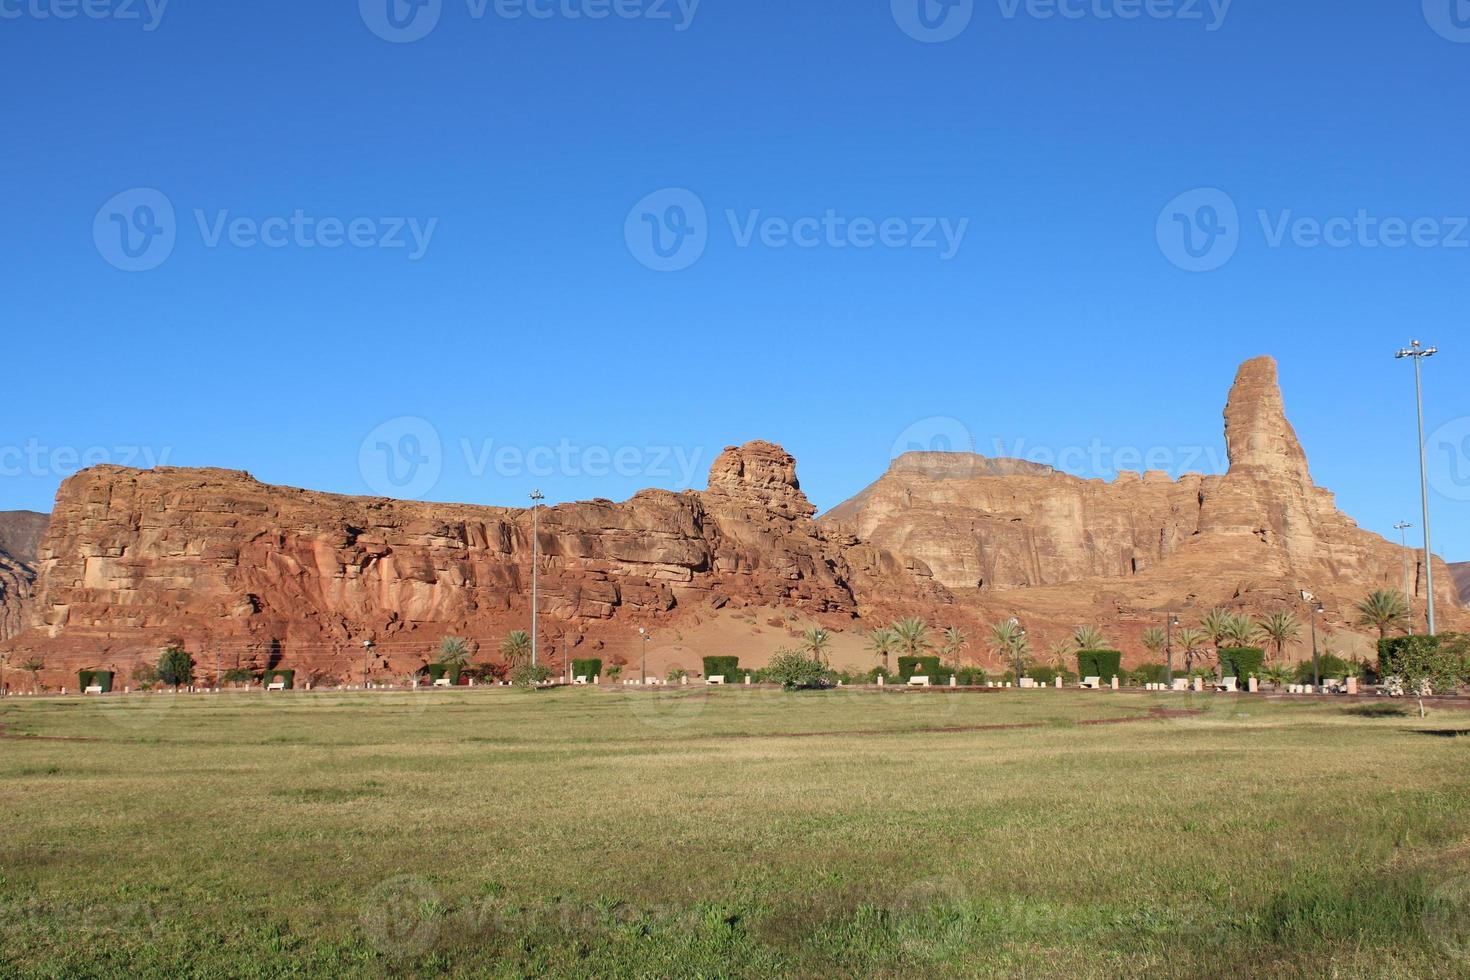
point(1461, 575)
point(257, 575)
point(1027, 538)
point(20, 537)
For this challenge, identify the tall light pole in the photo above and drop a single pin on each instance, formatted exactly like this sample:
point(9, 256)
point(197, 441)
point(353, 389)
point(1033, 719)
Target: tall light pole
point(1169, 625)
point(1419, 352)
point(367, 651)
point(643, 663)
point(1317, 610)
point(1403, 528)
point(536, 497)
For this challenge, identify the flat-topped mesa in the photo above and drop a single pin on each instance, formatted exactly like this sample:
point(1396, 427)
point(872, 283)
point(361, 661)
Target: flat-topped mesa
point(761, 474)
point(1257, 434)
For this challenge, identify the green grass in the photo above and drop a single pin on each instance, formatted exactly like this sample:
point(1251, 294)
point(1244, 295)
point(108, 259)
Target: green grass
point(730, 833)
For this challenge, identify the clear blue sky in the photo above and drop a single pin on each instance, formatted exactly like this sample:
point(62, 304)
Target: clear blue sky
point(1062, 320)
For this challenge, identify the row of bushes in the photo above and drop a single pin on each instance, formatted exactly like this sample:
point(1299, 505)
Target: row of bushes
point(1106, 664)
point(98, 678)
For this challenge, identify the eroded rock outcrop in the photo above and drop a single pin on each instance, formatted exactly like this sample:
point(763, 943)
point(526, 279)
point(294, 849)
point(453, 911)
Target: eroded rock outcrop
point(20, 537)
point(261, 575)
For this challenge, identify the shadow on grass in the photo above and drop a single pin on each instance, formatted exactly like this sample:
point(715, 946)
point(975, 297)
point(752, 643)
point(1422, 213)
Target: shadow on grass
point(1376, 711)
point(1443, 732)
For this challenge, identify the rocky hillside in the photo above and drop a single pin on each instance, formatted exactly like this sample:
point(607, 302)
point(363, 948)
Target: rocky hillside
point(20, 537)
point(1461, 575)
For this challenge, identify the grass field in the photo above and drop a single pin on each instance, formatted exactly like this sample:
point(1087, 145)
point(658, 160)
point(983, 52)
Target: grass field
point(732, 833)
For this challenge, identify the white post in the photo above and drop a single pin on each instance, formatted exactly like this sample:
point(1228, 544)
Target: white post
point(1352, 685)
point(1059, 682)
point(1254, 685)
point(1115, 682)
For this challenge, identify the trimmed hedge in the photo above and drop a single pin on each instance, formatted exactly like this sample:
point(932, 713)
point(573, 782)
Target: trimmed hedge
point(589, 668)
point(1243, 662)
point(271, 676)
point(727, 667)
point(922, 666)
point(1047, 676)
point(101, 678)
point(436, 671)
point(1105, 664)
point(1391, 647)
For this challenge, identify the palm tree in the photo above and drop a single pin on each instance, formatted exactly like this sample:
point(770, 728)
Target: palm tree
point(954, 642)
point(1155, 640)
point(1384, 610)
point(883, 642)
point(1277, 674)
point(1279, 629)
point(516, 648)
point(34, 666)
point(1190, 640)
point(1240, 630)
point(1061, 651)
point(1216, 625)
point(1089, 638)
point(913, 636)
point(454, 652)
point(1009, 641)
point(817, 642)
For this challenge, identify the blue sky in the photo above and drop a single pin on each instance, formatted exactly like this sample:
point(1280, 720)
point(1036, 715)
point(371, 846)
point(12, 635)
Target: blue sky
point(454, 252)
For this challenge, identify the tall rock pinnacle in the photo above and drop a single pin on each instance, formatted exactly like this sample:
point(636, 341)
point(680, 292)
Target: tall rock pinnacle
point(1257, 434)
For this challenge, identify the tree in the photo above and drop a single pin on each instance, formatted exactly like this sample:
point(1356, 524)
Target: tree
point(913, 636)
point(1155, 640)
point(1279, 629)
point(817, 643)
point(34, 666)
point(1189, 640)
point(1384, 610)
point(454, 652)
point(613, 672)
point(1089, 638)
point(516, 648)
point(1424, 666)
point(794, 671)
point(955, 641)
point(1240, 630)
point(1217, 625)
point(175, 666)
point(883, 642)
point(1277, 674)
point(1009, 642)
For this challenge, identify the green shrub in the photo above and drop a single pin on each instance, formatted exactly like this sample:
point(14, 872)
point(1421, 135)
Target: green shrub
point(589, 668)
point(101, 678)
point(175, 667)
point(1243, 663)
point(437, 671)
point(726, 667)
point(921, 666)
point(972, 676)
point(1105, 664)
point(1332, 666)
point(1148, 674)
point(239, 675)
point(1047, 676)
point(271, 676)
point(1391, 648)
point(528, 676)
point(795, 671)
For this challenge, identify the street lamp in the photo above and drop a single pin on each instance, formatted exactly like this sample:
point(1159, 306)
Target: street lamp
point(1317, 610)
point(1169, 625)
point(536, 497)
point(367, 652)
point(1418, 352)
point(1402, 527)
point(643, 664)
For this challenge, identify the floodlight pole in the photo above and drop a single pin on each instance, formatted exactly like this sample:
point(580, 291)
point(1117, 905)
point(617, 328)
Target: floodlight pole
point(367, 652)
point(536, 497)
point(1403, 527)
point(643, 663)
point(1419, 352)
point(1169, 625)
point(1317, 610)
